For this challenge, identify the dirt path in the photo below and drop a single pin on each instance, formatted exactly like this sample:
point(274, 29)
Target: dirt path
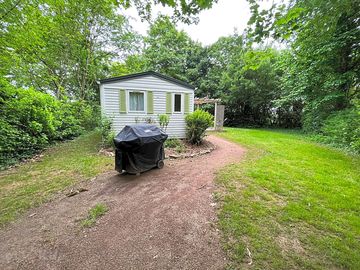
point(162, 219)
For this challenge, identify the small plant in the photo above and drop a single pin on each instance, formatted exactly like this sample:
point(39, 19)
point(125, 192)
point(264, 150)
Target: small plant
point(107, 133)
point(149, 120)
point(109, 140)
point(94, 213)
point(146, 120)
point(180, 148)
point(172, 143)
point(164, 120)
point(176, 144)
point(196, 125)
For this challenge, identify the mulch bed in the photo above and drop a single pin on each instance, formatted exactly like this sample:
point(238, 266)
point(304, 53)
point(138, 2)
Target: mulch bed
point(190, 150)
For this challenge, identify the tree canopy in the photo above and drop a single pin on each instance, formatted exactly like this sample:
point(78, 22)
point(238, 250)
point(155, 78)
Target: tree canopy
point(63, 47)
point(322, 67)
point(52, 52)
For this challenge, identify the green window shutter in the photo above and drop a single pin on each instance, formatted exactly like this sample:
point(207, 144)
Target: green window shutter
point(168, 103)
point(150, 102)
point(122, 101)
point(187, 103)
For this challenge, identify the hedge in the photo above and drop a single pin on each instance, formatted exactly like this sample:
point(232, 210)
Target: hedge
point(31, 120)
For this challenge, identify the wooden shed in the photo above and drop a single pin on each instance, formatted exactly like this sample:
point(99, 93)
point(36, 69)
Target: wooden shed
point(142, 97)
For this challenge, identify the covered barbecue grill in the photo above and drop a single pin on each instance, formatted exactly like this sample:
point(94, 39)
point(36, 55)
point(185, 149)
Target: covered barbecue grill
point(139, 148)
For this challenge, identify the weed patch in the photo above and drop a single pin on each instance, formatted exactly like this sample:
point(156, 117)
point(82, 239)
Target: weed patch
point(94, 213)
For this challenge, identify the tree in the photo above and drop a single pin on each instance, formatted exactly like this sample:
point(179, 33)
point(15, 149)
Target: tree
point(133, 64)
point(322, 69)
point(170, 51)
point(252, 83)
point(185, 11)
point(215, 63)
point(62, 46)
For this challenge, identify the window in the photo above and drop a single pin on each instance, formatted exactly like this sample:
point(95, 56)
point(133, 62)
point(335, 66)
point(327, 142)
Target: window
point(177, 103)
point(136, 100)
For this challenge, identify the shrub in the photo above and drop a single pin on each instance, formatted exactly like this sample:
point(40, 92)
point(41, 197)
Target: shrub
point(164, 120)
point(176, 144)
point(343, 129)
point(30, 120)
point(107, 133)
point(172, 143)
point(15, 144)
point(67, 124)
point(196, 125)
point(180, 148)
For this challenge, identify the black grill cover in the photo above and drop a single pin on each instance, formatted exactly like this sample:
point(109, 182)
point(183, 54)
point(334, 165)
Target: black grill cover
point(139, 148)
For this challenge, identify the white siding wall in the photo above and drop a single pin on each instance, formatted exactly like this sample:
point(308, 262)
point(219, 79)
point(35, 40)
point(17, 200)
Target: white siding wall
point(109, 95)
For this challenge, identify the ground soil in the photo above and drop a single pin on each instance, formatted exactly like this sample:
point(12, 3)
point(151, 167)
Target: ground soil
point(162, 219)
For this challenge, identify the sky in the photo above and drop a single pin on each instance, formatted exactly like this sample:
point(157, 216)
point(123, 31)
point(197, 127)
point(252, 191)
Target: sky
point(221, 20)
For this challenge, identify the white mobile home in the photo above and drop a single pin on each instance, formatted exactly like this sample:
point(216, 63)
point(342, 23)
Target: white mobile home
point(136, 98)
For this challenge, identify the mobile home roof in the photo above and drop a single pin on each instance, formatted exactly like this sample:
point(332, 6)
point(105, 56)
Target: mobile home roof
point(147, 73)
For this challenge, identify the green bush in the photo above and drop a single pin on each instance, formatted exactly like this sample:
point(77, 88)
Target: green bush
point(180, 148)
point(196, 125)
point(30, 120)
point(164, 120)
point(342, 129)
point(15, 144)
point(172, 143)
point(176, 144)
point(107, 133)
point(74, 118)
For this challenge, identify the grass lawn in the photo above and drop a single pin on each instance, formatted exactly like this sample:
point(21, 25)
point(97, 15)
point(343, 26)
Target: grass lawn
point(291, 204)
point(62, 165)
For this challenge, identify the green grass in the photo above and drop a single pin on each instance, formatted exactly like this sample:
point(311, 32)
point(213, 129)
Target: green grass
point(94, 213)
point(292, 203)
point(63, 165)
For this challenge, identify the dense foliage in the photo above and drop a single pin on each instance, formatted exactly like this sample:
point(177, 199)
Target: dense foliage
point(312, 83)
point(196, 125)
point(31, 120)
point(247, 80)
point(63, 47)
point(342, 128)
point(322, 67)
point(52, 53)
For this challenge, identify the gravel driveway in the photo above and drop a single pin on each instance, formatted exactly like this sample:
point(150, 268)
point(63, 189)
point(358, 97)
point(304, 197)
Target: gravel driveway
point(162, 219)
